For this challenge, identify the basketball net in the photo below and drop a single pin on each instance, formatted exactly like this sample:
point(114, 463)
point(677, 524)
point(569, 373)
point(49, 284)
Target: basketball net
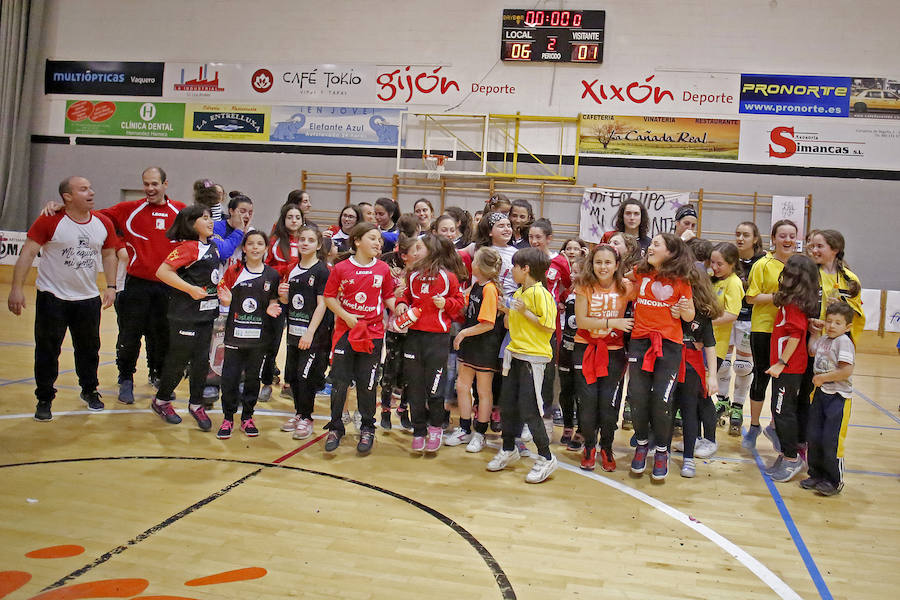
point(435, 165)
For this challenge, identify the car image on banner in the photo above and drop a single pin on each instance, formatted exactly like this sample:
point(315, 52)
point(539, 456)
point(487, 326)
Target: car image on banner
point(875, 101)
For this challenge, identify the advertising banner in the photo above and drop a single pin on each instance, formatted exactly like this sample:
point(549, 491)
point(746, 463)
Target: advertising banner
point(147, 119)
point(647, 92)
point(847, 143)
point(875, 97)
point(665, 137)
point(251, 82)
point(103, 78)
point(11, 244)
point(599, 207)
point(343, 125)
point(795, 95)
point(248, 122)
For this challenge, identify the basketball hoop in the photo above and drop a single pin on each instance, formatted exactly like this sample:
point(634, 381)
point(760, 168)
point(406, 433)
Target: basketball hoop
point(434, 163)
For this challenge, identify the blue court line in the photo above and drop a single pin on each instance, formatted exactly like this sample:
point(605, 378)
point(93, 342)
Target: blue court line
point(31, 379)
point(824, 592)
point(716, 457)
point(878, 406)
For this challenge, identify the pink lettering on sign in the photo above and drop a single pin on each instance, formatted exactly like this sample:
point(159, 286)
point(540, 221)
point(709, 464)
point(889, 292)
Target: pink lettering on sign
point(635, 91)
point(411, 82)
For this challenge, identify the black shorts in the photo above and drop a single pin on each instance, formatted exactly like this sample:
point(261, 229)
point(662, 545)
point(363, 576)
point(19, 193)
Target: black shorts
point(481, 352)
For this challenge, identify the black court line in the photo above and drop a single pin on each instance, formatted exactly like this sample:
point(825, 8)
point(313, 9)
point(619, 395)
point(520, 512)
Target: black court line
point(506, 590)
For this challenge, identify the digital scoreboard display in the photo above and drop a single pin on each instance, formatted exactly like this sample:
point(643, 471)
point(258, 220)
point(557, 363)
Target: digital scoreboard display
point(553, 35)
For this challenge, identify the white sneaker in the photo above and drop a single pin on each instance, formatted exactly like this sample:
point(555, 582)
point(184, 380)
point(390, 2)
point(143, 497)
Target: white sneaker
point(526, 434)
point(457, 437)
point(265, 392)
point(678, 446)
point(476, 444)
point(705, 448)
point(503, 459)
point(542, 469)
point(291, 424)
point(304, 429)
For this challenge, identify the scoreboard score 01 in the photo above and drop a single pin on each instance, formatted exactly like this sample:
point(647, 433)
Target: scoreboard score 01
point(553, 35)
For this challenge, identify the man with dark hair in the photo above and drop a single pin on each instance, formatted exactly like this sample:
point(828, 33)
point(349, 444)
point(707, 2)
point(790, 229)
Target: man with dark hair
point(144, 301)
point(74, 241)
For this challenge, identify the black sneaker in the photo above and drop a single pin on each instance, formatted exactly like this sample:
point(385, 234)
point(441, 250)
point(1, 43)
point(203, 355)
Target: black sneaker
point(126, 391)
point(166, 411)
point(576, 444)
point(405, 423)
point(826, 488)
point(199, 413)
point(333, 440)
point(386, 420)
point(366, 441)
point(42, 412)
point(92, 399)
point(810, 483)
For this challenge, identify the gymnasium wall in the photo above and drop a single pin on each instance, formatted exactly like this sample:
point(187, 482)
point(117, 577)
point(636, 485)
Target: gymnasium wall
point(695, 44)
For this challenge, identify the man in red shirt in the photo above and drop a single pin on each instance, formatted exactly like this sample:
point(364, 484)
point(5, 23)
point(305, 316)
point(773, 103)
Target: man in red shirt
point(74, 242)
point(143, 303)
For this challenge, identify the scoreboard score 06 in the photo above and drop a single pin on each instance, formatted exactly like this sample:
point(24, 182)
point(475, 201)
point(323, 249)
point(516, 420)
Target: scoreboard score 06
point(553, 35)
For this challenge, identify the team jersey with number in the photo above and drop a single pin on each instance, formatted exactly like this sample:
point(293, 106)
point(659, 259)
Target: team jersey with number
point(305, 285)
point(790, 322)
point(652, 308)
point(143, 227)
point(420, 291)
point(362, 291)
point(251, 293)
point(70, 254)
point(198, 264)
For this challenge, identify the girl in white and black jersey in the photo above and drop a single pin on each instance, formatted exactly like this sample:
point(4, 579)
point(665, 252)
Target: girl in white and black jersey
point(192, 271)
point(248, 294)
point(308, 332)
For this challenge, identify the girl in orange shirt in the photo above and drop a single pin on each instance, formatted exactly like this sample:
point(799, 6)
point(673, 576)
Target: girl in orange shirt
point(663, 300)
point(601, 295)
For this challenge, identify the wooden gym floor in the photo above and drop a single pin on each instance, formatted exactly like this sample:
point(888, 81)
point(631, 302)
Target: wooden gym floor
point(119, 504)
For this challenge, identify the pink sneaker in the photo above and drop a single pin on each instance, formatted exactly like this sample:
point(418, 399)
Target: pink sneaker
point(433, 442)
point(291, 424)
point(418, 444)
point(304, 429)
point(249, 427)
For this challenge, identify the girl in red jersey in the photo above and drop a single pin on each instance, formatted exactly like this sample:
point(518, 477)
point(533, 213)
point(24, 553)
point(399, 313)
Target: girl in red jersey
point(432, 300)
point(192, 271)
point(249, 294)
point(797, 300)
point(601, 295)
point(358, 289)
point(308, 331)
point(663, 300)
point(478, 348)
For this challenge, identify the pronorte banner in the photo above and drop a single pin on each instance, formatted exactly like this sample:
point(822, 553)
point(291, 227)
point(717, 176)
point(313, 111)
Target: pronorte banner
point(107, 118)
point(345, 125)
point(795, 95)
point(246, 122)
point(599, 207)
point(834, 143)
point(667, 137)
point(103, 78)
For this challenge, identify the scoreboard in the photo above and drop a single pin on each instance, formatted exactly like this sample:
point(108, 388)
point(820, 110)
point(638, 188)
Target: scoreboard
point(553, 35)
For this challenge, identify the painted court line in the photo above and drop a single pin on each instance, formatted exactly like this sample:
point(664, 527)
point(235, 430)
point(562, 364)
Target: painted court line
point(754, 566)
point(878, 406)
point(808, 560)
point(281, 459)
